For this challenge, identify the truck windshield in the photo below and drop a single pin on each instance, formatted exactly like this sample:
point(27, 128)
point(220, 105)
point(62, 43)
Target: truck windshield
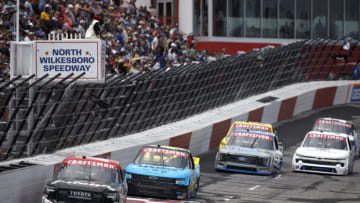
point(252, 140)
point(328, 142)
point(163, 157)
point(333, 126)
point(88, 173)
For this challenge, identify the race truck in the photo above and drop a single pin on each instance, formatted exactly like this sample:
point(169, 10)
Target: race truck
point(339, 126)
point(241, 125)
point(250, 152)
point(324, 152)
point(164, 171)
point(85, 180)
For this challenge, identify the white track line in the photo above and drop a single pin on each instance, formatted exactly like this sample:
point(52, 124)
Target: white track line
point(277, 177)
point(136, 199)
point(253, 188)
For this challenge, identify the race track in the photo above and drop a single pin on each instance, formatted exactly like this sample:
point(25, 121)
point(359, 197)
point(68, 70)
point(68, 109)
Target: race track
point(288, 186)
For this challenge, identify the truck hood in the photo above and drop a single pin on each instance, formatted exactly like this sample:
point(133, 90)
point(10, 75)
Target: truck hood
point(322, 153)
point(88, 186)
point(236, 150)
point(159, 171)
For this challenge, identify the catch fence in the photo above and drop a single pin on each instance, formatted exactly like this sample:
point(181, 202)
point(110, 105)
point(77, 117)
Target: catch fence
point(44, 116)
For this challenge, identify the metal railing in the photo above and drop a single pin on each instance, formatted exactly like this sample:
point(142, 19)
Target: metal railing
point(44, 116)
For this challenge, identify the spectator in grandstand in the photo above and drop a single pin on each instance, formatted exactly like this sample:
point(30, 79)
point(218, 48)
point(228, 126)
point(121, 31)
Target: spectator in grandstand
point(95, 28)
point(187, 61)
point(192, 53)
point(2, 71)
point(155, 41)
point(4, 68)
point(172, 56)
point(356, 73)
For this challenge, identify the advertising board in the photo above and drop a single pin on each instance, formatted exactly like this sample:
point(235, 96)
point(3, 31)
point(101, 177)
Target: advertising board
point(70, 56)
point(355, 93)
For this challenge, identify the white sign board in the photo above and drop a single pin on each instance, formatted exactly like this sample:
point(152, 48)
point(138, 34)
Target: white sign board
point(70, 56)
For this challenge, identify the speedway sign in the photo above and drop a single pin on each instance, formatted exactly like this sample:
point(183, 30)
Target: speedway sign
point(70, 56)
point(355, 94)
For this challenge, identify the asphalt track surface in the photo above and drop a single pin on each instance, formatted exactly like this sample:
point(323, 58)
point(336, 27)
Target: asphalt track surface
point(288, 186)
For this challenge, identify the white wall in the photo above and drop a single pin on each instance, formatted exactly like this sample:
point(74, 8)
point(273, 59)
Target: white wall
point(143, 3)
point(186, 16)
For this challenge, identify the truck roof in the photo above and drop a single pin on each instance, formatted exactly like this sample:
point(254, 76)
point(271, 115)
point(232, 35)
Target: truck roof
point(334, 119)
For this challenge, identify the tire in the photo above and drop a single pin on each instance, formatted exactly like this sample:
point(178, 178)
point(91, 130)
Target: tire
point(188, 195)
point(197, 186)
point(351, 169)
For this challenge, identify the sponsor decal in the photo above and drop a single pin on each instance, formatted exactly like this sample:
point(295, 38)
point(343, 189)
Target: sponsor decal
point(254, 127)
point(91, 163)
point(355, 95)
point(165, 151)
point(325, 136)
point(243, 149)
point(333, 123)
point(254, 135)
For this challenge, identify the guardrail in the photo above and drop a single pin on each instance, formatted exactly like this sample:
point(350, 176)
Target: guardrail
point(46, 116)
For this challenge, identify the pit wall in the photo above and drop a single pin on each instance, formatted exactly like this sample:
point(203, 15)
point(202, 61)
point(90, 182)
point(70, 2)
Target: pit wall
point(200, 133)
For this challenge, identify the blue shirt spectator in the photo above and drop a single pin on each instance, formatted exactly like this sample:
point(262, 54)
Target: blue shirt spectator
point(120, 38)
point(356, 73)
point(162, 61)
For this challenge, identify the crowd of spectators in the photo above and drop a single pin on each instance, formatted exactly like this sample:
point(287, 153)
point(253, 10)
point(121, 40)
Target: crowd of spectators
point(135, 40)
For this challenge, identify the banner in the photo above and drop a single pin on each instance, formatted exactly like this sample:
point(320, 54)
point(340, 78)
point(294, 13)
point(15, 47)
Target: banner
point(355, 94)
point(73, 56)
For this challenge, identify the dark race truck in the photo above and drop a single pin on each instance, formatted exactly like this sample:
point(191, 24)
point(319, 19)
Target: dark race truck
point(87, 180)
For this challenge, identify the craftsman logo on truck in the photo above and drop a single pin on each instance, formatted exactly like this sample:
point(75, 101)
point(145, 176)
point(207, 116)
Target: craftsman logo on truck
point(68, 57)
point(253, 127)
point(91, 163)
point(165, 151)
point(325, 136)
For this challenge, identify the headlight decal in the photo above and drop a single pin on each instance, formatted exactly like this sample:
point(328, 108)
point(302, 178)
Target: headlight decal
point(112, 196)
point(49, 189)
point(181, 181)
point(263, 161)
point(128, 175)
point(221, 156)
